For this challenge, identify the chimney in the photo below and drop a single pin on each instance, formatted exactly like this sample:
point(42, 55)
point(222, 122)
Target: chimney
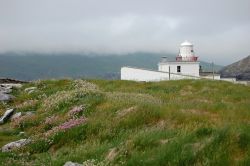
point(164, 59)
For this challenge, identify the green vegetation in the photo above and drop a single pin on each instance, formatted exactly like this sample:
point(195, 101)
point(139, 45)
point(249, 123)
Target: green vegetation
point(187, 122)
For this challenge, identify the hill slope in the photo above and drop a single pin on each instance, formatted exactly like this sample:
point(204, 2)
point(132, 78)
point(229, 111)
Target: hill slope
point(240, 69)
point(188, 122)
point(32, 66)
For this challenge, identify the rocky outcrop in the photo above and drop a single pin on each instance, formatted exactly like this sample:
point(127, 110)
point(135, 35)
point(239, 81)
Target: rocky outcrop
point(11, 81)
point(240, 70)
point(16, 116)
point(15, 145)
point(6, 89)
point(6, 115)
point(5, 97)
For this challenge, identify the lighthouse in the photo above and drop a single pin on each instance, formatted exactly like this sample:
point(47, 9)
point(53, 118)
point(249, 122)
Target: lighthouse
point(184, 66)
point(186, 52)
point(185, 62)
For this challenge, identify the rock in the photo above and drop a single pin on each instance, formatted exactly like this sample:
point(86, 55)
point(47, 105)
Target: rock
point(17, 85)
point(69, 163)
point(14, 145)
point(12, 85)
point(16, 115)
point(6, 116)
point(4, 89)
point(5, 97)
point(11, 81)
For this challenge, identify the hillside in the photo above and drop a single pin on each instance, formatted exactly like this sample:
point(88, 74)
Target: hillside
point(239, 69)
point(188, 122)
point(33, 66)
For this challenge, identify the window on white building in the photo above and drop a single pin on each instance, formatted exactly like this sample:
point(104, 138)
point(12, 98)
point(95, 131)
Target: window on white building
point(178, 69)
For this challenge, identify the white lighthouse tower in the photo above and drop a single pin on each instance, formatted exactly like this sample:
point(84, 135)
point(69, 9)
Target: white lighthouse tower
point(185, 64)
point(186, 52)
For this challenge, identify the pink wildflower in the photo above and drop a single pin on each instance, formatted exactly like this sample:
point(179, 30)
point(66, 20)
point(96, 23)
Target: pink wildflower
point(76, 110)
point(71, 123)
point(65, 126)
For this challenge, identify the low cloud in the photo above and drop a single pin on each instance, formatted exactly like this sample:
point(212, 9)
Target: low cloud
point(220, 30)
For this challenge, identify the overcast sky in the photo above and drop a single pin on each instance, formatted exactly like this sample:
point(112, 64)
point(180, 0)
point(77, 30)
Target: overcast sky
point(219, 29)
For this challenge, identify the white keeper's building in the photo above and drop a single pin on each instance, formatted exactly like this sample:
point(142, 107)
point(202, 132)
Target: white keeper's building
point(185, 66)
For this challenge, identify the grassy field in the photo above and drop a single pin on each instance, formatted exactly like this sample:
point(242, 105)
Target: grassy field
point(98, 122)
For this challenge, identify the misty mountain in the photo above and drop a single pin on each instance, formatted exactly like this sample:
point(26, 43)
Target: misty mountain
point(32, 66)
point(239, 69)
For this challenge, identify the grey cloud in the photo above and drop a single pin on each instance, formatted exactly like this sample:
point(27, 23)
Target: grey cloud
point(220, 30)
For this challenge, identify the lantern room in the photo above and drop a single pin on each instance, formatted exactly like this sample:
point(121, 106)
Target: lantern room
point(186, 52)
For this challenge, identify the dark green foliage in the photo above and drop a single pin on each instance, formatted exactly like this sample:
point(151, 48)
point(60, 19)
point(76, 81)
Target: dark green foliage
point(203, 132)
point(39, 146)
point(244, 140)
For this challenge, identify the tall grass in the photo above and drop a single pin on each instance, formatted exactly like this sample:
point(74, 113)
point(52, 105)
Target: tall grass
point(187, 122)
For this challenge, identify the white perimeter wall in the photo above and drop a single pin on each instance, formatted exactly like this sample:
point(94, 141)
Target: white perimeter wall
point(187, 68)
point(137, 74)
point(229, 79)
point(215, 77)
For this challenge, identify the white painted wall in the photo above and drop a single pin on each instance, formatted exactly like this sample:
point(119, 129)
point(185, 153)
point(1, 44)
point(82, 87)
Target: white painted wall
point(137, 74)
point(215, 77)
point(186, 51)
point(229, 79)
point(187, 68)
